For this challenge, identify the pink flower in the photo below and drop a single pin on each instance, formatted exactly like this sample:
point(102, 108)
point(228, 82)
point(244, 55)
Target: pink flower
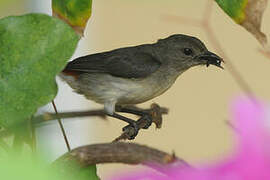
point(250, 159)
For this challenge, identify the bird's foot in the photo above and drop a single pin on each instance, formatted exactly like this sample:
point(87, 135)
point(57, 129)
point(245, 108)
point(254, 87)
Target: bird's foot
point(147, 118)
point(131, 130)
point(145, 121)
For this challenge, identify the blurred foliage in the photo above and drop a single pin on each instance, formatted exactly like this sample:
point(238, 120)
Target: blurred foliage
point(87, 173)
point(75, 12)
point(23, 168)
point(234, 8)
point(34, 48)
point(248, 14)
point(74, 170)
point(28, 168)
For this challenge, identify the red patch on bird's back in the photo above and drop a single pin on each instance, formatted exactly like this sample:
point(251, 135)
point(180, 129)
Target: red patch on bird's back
point(74, 74)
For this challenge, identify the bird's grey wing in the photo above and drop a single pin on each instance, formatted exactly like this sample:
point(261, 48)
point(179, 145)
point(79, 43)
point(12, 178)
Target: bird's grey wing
point(126, 65)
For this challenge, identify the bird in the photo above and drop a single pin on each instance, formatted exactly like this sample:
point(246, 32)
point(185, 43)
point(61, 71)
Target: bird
point(133, 75)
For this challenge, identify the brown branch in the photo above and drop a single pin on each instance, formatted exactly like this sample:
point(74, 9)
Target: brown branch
point(155, 111)
point(52, 116)
point(119, 152)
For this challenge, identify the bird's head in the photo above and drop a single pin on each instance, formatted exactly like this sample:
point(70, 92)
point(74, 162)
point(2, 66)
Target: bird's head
point(184, 51)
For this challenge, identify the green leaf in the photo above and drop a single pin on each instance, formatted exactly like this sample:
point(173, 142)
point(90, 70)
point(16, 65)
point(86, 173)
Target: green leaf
point(247, 13)
point(87, 173)
point(34, 48)
point(29, 168)
point(75, 12)
point(234, 8)
point(71, 168)
point(22, 168)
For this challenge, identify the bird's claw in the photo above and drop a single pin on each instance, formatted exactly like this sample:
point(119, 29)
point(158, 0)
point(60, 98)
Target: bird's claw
point(131, 130)
point(147, 121)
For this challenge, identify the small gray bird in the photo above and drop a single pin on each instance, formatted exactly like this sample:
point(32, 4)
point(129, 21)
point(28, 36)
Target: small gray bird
point(133, 75)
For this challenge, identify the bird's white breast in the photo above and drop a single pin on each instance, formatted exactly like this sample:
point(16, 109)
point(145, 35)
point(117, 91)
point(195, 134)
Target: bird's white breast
point(110, 90)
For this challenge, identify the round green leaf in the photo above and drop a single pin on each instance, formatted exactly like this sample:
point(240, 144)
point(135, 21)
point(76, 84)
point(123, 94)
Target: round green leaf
point(33, 50)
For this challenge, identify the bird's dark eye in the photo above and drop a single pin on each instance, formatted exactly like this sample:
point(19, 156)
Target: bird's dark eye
point(188, 51)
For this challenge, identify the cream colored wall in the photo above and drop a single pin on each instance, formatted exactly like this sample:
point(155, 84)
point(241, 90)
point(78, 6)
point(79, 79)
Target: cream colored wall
point(195, 128)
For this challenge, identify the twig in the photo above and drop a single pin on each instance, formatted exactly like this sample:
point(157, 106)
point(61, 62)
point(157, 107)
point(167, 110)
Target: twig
point(127, 153)
point(53, 116)
point(231, 125)
point(155, 111)
point(61, 126)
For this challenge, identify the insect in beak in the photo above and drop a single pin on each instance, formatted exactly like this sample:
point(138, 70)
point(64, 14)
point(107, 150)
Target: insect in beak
point(211, 58)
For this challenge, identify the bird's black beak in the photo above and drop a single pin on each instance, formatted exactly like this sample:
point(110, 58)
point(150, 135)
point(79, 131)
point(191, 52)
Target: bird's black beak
point(211, 58)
